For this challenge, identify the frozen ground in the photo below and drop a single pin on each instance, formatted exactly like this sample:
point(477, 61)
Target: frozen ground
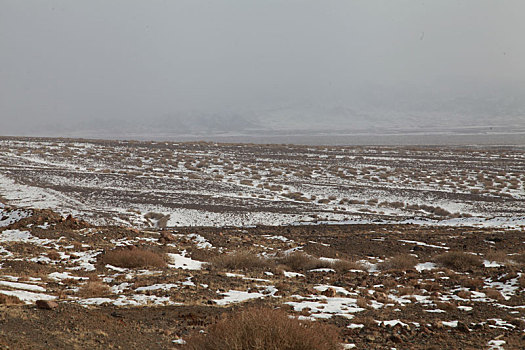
point(383, 286)
point(207, 184)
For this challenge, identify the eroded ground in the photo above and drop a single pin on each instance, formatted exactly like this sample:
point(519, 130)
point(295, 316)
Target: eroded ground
point(384, 285)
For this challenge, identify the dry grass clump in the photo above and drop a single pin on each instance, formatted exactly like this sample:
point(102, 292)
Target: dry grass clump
point(367, 321)
point(498, 256)
point(93, 289)
point(300, 261)
point(459, 261)
point(493, 294)
point(342, 265)
point(240, 260)
point(471, 283)
point(362, 303)
point(447, 306)
point(53, 255)
point(265, 329)
point(518, 258)
point(399, 262)
point(133, 258)
point(77, 246)
point(464, 294)
point(9, 300)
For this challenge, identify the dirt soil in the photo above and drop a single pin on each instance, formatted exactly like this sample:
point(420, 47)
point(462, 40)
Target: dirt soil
point(419, 301)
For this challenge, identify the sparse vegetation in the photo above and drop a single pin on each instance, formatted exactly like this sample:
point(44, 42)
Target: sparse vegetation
point(134, 258)
point(262, 329)
point(222, 269)
point(300, 261)
point(9, 300)
point(94, 289)
point(458, 261)
point(240, 260)
point(400, 262)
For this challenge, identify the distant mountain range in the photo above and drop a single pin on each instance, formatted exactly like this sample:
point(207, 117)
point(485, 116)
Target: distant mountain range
point(382, 112)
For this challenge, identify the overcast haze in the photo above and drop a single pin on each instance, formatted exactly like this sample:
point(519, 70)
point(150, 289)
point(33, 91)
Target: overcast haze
point(241, 67)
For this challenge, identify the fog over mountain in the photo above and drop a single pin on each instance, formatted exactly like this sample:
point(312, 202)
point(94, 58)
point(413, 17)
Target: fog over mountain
point(199, 69)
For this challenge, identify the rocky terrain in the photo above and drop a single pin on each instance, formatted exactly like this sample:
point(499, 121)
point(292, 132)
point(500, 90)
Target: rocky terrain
point(169, 184)
point(66, 283)
point(134, 245)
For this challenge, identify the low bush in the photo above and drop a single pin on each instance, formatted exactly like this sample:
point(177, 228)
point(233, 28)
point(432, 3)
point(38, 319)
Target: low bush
point(94, 289)
point(240, 260)
point(53, 255)
point(9, 300)
point(299, 261)
point(518, 258)
point(493, 294)
point(133, 258)
point(399, 262)
point(342, 265)
point(498, 256)
point(265, 329)
point(459, 261)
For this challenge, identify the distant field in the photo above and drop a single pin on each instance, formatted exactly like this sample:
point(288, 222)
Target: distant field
point(207, 184)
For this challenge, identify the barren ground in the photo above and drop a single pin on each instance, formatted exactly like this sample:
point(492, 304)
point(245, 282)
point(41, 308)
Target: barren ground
point(421, 250)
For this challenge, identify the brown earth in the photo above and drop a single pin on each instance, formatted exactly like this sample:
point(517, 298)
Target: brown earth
point(433, 297)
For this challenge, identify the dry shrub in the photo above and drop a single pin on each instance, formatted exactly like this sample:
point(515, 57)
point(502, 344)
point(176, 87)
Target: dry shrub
point(362, 303)
point(300, 261)
point(93, 289)
point(382, 298)
point(367, 321)
point(459, 261)
point(263, 328)
point(431, 286)
point(388, 283)
point(472, 283)
point(412, 207)
point(202, 254)
point(397, 204)
point(53, 255)
point(493, 294)
point(464, 294)
point(132, 258)
point(399, 262)
point(497, 255)
point(440, 212)
point(77, 246)
point(406, 291)
point(342, 265)
point(519, 258)
point(240, 260)
point(447, 306)
point(9, 300)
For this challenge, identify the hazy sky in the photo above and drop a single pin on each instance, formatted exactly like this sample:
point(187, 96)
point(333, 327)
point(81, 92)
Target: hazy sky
point(76, 60)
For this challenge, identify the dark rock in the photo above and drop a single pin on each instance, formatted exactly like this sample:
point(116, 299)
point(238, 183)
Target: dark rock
point(463, 327)
point(396, 338)
point(46, 304)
